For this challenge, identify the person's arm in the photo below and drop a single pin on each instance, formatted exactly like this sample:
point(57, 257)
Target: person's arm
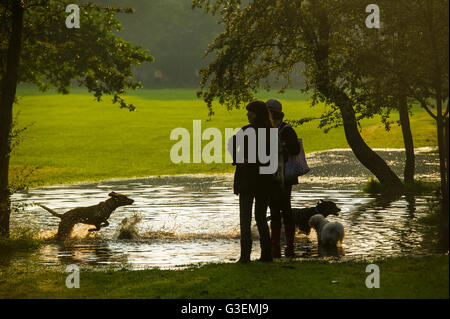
point(235, 149)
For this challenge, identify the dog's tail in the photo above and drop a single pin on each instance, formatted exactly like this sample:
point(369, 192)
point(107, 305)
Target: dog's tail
point(51, 211)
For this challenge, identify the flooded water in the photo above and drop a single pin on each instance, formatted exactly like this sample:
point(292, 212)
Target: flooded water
point(183, 220)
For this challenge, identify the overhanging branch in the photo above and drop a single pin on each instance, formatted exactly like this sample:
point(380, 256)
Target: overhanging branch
point(424, 106)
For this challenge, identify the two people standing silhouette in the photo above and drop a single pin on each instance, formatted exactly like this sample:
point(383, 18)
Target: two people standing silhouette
point(253, 186)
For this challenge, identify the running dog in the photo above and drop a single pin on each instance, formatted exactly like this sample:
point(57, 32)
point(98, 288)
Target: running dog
point(328, 234)
point(96, 215)
point(302, 215)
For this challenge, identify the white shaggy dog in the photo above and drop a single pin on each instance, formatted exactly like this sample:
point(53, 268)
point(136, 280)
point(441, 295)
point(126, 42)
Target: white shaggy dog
point(327, 233)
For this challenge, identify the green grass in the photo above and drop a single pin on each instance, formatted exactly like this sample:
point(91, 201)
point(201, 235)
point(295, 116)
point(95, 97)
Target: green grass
point(74, 138)
point(403, 277)
point(374, 187)
point(21, 239)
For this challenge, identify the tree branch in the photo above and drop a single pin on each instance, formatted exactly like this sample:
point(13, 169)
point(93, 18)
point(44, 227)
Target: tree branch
point(446, 110)
point(424, 105)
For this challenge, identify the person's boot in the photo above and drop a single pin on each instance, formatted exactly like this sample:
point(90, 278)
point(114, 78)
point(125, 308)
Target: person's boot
point(244, 260)
point(289, 251)
point(266, 250)
point(246, 249)
point(266, 256)
point(276, 249)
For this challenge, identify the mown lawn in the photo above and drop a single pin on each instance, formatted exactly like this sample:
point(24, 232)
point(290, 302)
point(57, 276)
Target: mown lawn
point(74, 138)
point(402, 277)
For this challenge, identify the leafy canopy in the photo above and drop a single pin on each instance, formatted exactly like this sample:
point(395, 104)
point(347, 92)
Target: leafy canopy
point(340, 55)
point(92, 56)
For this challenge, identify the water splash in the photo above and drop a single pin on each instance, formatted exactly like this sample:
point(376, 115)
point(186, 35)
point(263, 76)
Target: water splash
point(128, 229)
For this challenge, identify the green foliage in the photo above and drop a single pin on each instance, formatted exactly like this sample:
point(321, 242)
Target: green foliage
point(254, 45)
point(413, 42)
point(22, 176)
point(93, 56)
point(374, 187)
point(344, 60)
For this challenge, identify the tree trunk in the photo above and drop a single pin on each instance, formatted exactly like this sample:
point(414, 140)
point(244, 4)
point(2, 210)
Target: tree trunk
point(446, 148)
point(445, 208)
point(7, 96)
point(407, 140)
point(371, 160)
point(444, 232)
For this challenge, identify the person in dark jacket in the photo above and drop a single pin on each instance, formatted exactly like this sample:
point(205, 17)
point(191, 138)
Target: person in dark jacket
point(250, 184)
point(280, 198)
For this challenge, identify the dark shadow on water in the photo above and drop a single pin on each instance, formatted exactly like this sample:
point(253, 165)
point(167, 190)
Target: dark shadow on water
point(411, 207)
point(407, 229)
point(306, 248)
point(379, 203)
point(330, 251)
point(88, 253)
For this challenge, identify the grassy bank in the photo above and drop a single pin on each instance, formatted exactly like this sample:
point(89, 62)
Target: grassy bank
point(374, 187)
point(20, 239)
point(404, 277)
point(74, 138)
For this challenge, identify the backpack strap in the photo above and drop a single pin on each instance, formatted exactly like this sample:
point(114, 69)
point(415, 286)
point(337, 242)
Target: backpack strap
point(282, 127)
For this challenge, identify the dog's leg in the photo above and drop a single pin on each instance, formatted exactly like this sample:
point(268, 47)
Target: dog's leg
point(100, 226)
point(64, 230)
point(97, 228)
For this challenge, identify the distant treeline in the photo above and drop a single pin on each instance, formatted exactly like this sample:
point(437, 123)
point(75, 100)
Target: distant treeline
point(176, 36)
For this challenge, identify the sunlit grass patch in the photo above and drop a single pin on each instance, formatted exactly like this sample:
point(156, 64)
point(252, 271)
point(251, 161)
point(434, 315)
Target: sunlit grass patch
point(401, 277)
point(420, 187)
point(74, 138)
point(44, 175)
point(423, 129)
point(374, 187)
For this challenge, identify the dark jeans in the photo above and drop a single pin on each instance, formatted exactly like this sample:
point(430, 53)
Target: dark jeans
point(280, 204)
point(245, 214)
